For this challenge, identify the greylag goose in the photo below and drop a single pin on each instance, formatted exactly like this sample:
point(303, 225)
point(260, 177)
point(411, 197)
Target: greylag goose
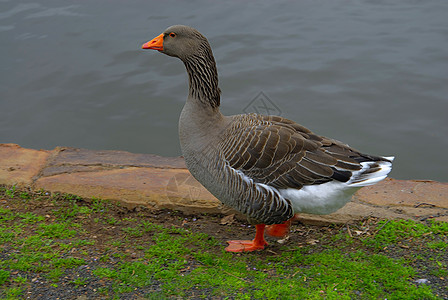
point(267, 167)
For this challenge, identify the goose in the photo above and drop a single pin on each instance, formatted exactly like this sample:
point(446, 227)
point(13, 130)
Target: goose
point(268, 168)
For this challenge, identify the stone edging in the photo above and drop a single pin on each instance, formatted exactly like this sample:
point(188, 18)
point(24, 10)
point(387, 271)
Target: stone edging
point(164, 182)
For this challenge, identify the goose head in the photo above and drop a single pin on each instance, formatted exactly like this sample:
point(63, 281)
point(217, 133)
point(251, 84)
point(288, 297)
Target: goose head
point(179, 41)
point(194, 50)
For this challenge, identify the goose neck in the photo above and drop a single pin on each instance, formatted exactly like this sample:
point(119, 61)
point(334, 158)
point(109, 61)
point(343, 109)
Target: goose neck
point(203, 79)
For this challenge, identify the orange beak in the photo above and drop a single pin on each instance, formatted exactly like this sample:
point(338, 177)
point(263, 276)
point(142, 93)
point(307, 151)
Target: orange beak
point(155, 44)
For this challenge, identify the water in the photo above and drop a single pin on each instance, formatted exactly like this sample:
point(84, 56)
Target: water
point(370, 73)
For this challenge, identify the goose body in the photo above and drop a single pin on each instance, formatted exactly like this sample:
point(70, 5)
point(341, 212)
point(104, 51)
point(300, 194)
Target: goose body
point(267, 167)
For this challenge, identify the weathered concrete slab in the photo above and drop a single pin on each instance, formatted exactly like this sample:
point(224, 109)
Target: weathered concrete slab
point(151, 187)
point(71, 160)
point(20, 166)
point(162, 182)
point(351, 212)
point(413, 193)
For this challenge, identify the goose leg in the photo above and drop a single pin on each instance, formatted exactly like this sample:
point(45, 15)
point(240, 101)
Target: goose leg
point(280, 230)
point(246, 246)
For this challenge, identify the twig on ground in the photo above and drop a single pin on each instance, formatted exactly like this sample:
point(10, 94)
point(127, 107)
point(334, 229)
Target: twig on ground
point(349, 231)
point(381, 227)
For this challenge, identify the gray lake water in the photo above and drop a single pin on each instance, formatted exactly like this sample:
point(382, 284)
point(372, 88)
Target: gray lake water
point(373, 74)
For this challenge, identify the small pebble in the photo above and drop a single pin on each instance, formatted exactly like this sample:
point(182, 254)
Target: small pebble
point(422, 281)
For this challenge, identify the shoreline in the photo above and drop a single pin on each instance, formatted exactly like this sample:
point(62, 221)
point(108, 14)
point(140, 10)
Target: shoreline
point(160, 182)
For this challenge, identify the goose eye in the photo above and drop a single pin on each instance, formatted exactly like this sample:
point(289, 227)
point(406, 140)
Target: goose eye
point(172, 34)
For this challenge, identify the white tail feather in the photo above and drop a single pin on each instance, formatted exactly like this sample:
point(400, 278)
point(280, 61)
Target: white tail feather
point(328, 197)
point(361, 178)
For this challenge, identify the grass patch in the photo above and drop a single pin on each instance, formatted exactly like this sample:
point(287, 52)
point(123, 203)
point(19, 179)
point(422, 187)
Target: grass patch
point(4, 276)
point(390, 232)
point(62, 243)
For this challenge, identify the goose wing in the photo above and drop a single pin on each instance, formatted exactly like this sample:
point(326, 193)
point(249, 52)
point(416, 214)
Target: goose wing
point(283, 154)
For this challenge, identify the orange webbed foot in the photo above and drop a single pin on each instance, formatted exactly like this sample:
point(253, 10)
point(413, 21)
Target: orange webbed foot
point(244, 246)
point(247, 246)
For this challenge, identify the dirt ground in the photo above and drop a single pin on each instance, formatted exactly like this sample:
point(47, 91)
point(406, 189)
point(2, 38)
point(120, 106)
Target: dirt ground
point(220, 227)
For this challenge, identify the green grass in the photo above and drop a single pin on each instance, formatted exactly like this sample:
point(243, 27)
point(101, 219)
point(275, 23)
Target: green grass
point(4, 276)
point(390, 232)
point(67, 242)
point(80, 281)
point(438, 245)
point(331, 273)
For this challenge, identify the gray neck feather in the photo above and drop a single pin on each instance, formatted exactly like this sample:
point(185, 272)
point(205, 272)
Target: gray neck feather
point(203, 77)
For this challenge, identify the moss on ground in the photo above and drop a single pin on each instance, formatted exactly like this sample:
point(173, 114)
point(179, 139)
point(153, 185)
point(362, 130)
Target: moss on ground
point(54, 245)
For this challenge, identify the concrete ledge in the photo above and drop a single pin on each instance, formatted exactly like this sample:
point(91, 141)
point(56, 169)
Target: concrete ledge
point(20, 166)
point(162, 182)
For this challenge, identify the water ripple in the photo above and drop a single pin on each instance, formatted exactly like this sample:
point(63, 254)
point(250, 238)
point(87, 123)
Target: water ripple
point(65, 11)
